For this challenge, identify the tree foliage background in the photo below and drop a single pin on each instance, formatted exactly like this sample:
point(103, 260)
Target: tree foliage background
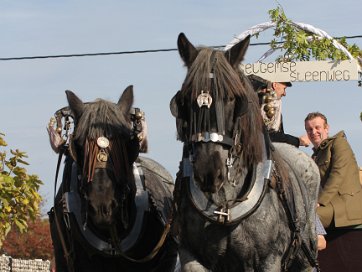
point(36, 243)
point(301, 45)
point(19, 196)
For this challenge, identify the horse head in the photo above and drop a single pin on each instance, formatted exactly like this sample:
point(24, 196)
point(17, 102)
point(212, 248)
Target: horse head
point(105, 147)
point(217, 114)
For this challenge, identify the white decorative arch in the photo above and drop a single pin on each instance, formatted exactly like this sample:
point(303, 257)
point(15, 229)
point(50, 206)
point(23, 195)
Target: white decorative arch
point(264, 26)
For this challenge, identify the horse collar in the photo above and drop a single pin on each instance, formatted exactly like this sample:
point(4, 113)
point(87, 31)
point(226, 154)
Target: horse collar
point(73, 206)
point(229, 215)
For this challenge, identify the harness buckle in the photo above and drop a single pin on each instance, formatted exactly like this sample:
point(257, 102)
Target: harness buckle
point(229, 164)
point(223, 215)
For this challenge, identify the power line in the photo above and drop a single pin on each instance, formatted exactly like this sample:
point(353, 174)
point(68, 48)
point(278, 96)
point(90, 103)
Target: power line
point(90, 54)
point(132, 52)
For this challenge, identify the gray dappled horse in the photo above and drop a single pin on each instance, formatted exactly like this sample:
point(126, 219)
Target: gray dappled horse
point(113, 209)
point(242, 203)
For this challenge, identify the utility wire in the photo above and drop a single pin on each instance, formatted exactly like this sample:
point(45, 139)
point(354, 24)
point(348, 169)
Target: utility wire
point(133, 52)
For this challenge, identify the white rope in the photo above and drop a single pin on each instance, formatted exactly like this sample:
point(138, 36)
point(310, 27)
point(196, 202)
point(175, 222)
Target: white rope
point(251, 31)
point(264, 26)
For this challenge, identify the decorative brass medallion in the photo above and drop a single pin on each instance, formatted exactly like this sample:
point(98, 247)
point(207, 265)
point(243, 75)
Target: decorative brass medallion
point(102, 142)
point(204, 99)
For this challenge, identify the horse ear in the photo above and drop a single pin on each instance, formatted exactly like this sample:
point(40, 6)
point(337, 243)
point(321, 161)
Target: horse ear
point(125, 102)
point(235, 55)
point(186, 50)
point(75, 104)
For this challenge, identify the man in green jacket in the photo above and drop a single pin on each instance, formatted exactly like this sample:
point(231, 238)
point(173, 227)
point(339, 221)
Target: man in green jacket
point(340, 198)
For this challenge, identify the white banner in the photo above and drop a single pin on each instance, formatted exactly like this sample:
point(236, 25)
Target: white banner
point(304, 71)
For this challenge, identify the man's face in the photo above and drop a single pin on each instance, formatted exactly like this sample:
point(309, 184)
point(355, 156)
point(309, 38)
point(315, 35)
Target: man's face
point(317, 130)
point(280, 89)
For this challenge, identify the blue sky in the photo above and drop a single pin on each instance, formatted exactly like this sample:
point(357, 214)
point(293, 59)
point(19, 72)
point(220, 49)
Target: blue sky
point(32, 90)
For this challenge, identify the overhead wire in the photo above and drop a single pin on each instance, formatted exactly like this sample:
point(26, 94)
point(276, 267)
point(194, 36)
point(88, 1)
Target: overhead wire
point(133, 51)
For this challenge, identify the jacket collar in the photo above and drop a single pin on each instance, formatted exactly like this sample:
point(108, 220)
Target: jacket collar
point(326, 142)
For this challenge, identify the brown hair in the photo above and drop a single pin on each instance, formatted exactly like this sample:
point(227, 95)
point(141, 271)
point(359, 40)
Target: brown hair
point(316, 114)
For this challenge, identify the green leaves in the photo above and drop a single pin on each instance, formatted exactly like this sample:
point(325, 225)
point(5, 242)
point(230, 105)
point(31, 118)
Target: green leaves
point(301, 45)
point(19, 197)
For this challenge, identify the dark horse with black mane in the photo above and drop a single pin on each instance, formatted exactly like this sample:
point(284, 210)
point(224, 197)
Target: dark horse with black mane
point(242, 203)
point(113, 210)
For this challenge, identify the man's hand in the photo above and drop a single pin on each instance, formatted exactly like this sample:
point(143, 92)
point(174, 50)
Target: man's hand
point(304, 140)
point(322, 243)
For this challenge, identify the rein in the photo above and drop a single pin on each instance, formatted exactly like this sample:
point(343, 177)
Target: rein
point(67, 252)
point(154, 251)
point(297, 241)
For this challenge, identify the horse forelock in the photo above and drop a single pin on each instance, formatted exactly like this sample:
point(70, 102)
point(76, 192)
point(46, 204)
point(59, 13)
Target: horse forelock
point(229, 83)
point(102, 118)
point(198, 76)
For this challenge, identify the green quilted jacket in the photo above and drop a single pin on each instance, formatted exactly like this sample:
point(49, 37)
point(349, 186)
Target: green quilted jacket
point(341, 189)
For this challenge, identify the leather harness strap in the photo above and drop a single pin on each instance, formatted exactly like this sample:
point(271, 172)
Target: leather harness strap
point(297, 241)
point(240, 209)
point(155, 250)
point(67, 253)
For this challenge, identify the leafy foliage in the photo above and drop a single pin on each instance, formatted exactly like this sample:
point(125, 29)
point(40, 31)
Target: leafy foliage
point(36, 243)
point(19, 197)
point(301, 45)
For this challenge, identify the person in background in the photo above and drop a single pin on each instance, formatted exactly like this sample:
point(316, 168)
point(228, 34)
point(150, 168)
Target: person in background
point(340, 198)
point(270, 99)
